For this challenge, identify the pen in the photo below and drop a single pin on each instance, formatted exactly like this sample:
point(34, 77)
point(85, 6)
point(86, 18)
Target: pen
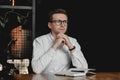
point(77, 71)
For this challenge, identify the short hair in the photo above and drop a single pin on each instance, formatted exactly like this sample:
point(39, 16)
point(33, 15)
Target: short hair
point(61, 11)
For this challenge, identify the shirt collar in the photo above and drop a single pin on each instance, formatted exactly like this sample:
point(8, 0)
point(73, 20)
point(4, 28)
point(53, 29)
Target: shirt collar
point(51, 36)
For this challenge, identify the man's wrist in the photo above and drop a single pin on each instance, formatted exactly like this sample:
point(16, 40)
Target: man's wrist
point(54, 47)
point(72, 48)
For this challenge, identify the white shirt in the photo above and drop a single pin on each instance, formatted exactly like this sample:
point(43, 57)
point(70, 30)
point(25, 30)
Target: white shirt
point(48, 60)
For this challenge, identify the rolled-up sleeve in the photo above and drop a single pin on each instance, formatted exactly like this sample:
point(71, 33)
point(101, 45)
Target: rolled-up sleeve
point(40, 58)
point(78, 59)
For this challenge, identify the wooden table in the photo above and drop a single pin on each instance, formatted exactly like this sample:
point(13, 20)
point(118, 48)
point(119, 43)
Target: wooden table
point(98, 76)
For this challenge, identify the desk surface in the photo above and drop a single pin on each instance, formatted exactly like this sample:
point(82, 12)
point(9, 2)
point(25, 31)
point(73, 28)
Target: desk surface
point(98, 76)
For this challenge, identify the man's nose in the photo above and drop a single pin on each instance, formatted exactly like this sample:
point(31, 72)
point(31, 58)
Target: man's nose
point(62, 24)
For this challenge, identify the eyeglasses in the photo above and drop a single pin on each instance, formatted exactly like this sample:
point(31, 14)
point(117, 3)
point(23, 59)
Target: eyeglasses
point(59, 22)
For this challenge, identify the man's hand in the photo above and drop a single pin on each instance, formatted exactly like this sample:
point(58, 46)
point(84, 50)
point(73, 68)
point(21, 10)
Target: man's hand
point(62, 39)
point(58, 42)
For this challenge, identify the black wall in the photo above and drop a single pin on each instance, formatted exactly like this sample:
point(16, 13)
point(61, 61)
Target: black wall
point(94, 24)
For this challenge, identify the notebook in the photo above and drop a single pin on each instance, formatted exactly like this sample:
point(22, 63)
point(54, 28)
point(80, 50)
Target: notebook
point(75, 72)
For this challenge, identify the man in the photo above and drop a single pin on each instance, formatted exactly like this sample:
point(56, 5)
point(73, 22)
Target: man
point(54, 52)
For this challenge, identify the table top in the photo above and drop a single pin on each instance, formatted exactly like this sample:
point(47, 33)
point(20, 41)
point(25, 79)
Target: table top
point(97, 76)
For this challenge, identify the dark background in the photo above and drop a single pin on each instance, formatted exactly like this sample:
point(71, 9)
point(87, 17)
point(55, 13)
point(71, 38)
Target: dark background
point(93, 23)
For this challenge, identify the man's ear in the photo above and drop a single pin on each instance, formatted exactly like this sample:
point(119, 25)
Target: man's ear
point(49, 25)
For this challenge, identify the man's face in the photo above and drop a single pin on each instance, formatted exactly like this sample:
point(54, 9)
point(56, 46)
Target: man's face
point(58, 23)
